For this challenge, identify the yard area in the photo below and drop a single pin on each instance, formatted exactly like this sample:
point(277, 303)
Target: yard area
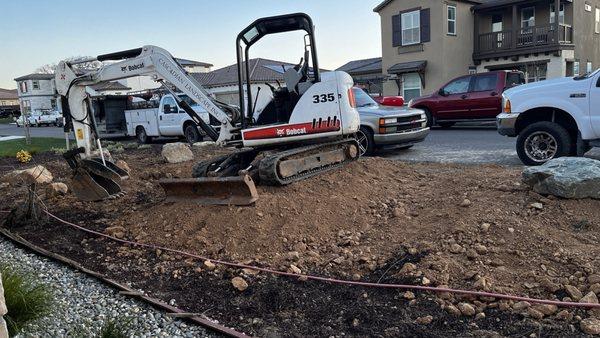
point(38, 145)
point(373, 221)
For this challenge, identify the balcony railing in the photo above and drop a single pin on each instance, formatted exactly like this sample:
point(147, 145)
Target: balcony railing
point(530, 37)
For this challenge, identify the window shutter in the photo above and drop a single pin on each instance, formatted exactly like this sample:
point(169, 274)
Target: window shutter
point(397, 30)
point(425, 25)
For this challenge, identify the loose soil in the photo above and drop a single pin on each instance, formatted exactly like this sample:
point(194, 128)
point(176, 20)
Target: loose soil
point(469, 227)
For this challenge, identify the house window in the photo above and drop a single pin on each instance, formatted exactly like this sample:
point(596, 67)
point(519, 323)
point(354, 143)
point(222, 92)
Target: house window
point(497, 23)
point(411, 28)
point(53, 103)
point(597, 26)
point(528, 17)
point(589, 68)
point(561, 14)
point(451, 20)
point(23, 86)
point(26, 106)
point(576, 68)
point(411, 86)
point(35, 84)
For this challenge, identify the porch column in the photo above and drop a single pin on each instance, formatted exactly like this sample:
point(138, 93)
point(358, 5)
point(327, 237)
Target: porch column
point(557, 21)
point(515, 26)
point(476, 31)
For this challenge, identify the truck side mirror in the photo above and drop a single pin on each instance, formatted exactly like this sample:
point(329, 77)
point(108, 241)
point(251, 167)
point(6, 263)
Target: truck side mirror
point(442, 92)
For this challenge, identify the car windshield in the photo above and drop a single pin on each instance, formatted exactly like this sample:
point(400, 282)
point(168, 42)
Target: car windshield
point(363, 99)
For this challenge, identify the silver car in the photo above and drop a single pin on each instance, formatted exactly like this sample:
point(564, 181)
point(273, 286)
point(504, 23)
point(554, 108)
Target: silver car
point(386, 126)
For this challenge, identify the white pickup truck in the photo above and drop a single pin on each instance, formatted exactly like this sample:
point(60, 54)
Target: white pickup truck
point(553, 118)
point(163, 118)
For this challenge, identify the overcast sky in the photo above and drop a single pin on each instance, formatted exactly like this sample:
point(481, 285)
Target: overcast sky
point(34, 33)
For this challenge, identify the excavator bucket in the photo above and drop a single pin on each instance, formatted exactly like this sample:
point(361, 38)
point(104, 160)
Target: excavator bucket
point(94, 181)
point(234, 190)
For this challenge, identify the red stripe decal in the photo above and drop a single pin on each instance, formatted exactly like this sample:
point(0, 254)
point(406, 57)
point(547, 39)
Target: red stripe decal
point(291, 130)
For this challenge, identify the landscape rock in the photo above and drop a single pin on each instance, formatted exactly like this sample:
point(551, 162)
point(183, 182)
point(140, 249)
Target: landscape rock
point(590, 298)
point(38, 174)
point(467, 309)
point(177, 152)
point(535, 314)
point(590, 326)
point(465, 203)
point(426, 320)
point(115, 231)
point(546, 309)
point(409, 295)
point(566, 177)
point(573, 292)
point(408, 268)
point(521, 306)
point(210, 266)
point(239, 283)
point(295, 269)
point(123, 165)
point(453, 310)
point(57, 189)
point(594, 279)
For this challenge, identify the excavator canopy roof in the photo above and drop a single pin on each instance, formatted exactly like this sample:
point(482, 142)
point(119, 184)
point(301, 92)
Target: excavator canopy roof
point(276, 24)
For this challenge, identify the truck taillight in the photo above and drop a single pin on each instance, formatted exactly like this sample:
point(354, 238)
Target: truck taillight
point(351, 98)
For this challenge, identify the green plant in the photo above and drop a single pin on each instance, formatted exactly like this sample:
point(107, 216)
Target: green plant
point(115, 329)
point(27, 298)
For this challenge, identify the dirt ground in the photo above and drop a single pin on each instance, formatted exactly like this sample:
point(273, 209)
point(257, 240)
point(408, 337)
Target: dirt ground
point(469, 227)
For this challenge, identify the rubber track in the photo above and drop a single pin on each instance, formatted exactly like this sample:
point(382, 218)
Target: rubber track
point(268, 165)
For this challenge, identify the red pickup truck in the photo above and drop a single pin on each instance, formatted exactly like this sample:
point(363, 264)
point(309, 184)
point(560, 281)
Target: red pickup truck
point(476, 97)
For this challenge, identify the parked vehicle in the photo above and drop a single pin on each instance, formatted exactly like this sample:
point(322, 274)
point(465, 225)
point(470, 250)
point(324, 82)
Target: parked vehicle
point(40, 118)
point(382, 127)
point(476, 97)
point(395, 101)
point(163, 117)
point(553, 118)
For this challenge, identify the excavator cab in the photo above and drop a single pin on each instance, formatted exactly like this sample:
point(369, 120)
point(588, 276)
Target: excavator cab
point(297, 78)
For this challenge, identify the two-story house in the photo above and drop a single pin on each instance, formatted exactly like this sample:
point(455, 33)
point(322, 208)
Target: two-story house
point(427, 43)
point(36, 92)
point(9, 101)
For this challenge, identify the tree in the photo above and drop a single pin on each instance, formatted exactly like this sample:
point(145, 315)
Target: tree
point(86, 66)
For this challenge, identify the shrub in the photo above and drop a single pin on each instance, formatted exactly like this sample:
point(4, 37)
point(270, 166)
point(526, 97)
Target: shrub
point(115, 329)
point(23, 156)
point(27, 299)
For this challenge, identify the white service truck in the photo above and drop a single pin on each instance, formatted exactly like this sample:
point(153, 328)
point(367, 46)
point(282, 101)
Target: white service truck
point(162, 117)
point(553, 118)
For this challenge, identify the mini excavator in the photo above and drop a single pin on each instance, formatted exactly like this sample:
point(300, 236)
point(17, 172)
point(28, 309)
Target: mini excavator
point(307, 128)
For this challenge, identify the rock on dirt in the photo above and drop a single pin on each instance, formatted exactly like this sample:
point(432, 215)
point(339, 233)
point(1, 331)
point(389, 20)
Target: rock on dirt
point(38, 174)
point(210, 266)
point(591, 326)
point(57, 189)
point(123, 165)
point(426, 320)
point(467, 309)
point(590, 298)
point(115, 231)
point(239, 283)
point(573, 292)
point(566, 177)
point(177, 152)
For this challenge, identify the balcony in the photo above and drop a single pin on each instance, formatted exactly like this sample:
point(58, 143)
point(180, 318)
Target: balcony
point(515, 40)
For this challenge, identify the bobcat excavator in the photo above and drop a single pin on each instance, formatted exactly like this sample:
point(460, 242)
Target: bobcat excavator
point(307, 127)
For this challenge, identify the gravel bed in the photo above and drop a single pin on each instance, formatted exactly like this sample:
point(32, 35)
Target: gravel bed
point(83, 304)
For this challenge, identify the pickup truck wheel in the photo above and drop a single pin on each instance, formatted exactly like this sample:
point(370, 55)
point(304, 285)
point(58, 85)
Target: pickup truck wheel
point(364, 136)
point(191, 134)
point(142, 137)
point(429, 117)
point(543, 141)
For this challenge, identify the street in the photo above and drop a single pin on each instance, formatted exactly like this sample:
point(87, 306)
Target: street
point(461, 144)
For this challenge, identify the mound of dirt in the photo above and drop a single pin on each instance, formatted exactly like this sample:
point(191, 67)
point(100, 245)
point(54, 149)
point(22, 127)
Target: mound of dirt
point(471, 227)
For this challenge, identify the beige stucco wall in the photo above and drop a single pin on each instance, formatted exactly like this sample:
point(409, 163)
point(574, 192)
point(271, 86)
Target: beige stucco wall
point(447, 56)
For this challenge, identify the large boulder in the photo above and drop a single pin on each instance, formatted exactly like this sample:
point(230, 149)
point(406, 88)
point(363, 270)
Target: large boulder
point(38, 174)
point(566, 177)
point(177, 152)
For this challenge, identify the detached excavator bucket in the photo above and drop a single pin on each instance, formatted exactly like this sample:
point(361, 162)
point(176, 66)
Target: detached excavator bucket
point(235, 190)
point(94, 181)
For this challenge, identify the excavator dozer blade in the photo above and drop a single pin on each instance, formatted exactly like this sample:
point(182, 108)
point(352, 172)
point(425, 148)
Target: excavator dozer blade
point(235, 190)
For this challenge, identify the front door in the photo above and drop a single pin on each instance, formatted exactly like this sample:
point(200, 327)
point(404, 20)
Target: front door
point(453, 102)
point(167, 117)
point(484, 96)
